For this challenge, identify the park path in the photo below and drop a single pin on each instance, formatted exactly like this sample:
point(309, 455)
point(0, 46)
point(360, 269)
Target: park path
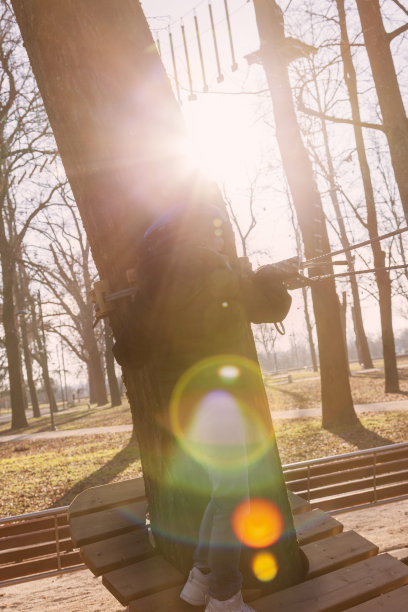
point(278, 414)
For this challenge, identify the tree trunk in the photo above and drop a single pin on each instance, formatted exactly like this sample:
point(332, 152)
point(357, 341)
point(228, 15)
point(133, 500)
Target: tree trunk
point(309, 331)
point(395, 123)
point(18, 417)
point(96, 376)
point(114, 392)
point(337, 403)
point(382, 276)
point(118, 129)
point(20, 290)
point(363, 350)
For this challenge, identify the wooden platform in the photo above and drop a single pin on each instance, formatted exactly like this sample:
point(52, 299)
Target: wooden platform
point(345, 571)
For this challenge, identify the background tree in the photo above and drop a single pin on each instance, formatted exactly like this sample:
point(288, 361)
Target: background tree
point(337, 404)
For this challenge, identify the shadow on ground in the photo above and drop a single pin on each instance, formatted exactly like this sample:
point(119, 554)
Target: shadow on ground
point(105, 474)
point(277, 403)
point(360, 436)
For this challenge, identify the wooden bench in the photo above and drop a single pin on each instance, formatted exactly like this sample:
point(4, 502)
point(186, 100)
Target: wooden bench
point(107, 523)
point(35, 544)
point(348, 481)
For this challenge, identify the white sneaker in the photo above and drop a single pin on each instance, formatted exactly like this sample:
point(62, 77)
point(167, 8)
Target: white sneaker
point(234, 604)
point(195, 591)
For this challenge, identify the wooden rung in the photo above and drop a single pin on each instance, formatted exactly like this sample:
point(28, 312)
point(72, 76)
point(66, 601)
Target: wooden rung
point(37, 566)
point(346, 464)
point(340, 589)
point(108, 496)
point(362, 497)
point(394, 601)
point(315, 525)
point(351, 485)
point(344, 475)
point(297, 503)
point(108, 555)
point(108, 523)
point(337, 551)
point(399, 553)
point(141, 579)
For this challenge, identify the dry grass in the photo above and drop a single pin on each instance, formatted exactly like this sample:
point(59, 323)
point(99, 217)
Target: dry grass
point(45, 473)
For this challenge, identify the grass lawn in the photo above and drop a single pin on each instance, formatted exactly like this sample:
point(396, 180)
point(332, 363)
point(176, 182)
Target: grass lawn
point(40, 474)
point(76, 418)
point(366, 387)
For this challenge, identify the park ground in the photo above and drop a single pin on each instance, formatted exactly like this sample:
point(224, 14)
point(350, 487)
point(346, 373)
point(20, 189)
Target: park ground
point(54, 470)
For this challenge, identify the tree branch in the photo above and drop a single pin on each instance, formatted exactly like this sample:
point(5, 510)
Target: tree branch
point(314, 113)
point(397, 32)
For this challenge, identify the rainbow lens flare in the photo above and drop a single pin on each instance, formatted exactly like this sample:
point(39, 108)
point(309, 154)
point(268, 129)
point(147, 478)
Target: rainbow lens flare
point(216, 413)
point(257, 523)
point(265, 566)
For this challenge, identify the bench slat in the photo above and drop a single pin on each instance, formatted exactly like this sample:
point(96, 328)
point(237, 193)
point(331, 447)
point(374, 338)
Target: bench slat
point(346, 464)
point(362, 497)
point(108, 555)
point(389, 602)
point(141, 579)
point(315, 525)
point(108, 496)
point(331, 592)
point(37, 566)
point(37, 550)
point(351, 485)
point(340, 589)
point(337, 551)
point(297, 503)
point(108, 523)
point(299, 484)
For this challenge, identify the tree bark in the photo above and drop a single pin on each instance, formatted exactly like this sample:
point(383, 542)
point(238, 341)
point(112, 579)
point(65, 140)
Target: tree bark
point(96, 376)
point(18, 416)
point(337, 403)
point(382, 276)
point(363, 350)
point(26, 348)
point(114, 391)
point(118, 129)
point(395, 123)
point(309, 331)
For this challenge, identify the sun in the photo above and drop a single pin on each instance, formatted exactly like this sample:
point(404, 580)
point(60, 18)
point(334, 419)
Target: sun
point(220, 140)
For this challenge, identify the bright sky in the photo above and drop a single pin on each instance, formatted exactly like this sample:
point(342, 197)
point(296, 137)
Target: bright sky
point(232, 135)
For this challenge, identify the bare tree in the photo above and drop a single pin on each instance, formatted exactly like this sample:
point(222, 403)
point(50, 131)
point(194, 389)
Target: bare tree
point(337, 403)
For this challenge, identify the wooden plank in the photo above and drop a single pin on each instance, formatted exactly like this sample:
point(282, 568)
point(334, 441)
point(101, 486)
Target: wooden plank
point(340, 589)
point(315, 525)
point(297, 503)
point(108, 496)
point(108, 523)
point(332, 553)
point(142, 578)
point(37, 550)
point(113, 553)
point(37, 566)
point(361, 497)
point(36, 537)
point(399, 553)
point(346, 464)
point(28, 526)
point(323, 480)
point(389, 602)
point(354, 485)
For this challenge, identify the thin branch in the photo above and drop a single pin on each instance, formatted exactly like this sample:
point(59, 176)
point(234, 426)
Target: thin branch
point(397, 32)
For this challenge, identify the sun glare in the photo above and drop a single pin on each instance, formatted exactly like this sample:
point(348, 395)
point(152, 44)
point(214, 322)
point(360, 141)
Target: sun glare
point(220, 140)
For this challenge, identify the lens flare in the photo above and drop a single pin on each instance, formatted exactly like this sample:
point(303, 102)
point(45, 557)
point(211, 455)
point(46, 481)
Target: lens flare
point(257, 523)
point(214, 413)
point(265, 566)
point(229, 372)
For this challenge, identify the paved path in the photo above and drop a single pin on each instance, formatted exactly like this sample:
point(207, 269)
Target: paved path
point(279, 414)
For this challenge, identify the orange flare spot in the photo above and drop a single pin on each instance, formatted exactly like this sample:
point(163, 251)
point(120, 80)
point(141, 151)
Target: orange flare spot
point(257, 523)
